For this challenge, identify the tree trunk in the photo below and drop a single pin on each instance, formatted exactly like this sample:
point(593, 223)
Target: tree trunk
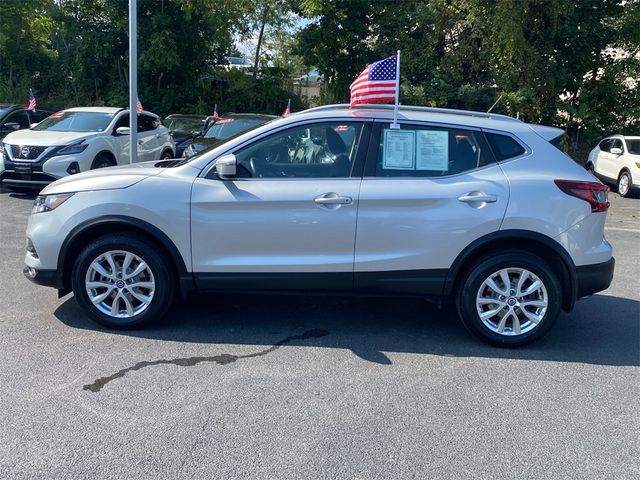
point(264, 21)
point(158, 82)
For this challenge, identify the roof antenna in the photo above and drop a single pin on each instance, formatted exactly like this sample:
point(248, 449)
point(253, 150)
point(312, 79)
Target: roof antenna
point(499, 98)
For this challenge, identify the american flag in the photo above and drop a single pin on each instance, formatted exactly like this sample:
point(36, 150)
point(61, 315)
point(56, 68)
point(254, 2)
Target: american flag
point(138, 107)
point(287, 110)
point(378, 83)
point(215, 115)
point(32, 101)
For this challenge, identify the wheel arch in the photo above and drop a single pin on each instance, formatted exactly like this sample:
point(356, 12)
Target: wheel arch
point(528, 241)
point(106, 153)
point(88, 231)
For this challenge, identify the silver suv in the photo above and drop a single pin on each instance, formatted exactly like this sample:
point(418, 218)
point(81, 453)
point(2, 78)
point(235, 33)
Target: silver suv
point(477, 208)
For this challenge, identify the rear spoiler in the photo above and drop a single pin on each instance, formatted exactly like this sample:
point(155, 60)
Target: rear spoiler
point(548, 133)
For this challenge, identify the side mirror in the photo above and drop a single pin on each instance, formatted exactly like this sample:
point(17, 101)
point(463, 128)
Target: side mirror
point(123, 131)
point(616, 151)
point(10, 127)
point(226, 166)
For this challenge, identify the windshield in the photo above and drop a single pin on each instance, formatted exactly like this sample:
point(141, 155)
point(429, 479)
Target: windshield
point(185, 125)
point(223, 141)
point(226, 127)
point(76, 122)
point(633, 146)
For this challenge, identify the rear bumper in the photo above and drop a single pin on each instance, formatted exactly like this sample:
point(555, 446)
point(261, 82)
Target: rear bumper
point(594, 278)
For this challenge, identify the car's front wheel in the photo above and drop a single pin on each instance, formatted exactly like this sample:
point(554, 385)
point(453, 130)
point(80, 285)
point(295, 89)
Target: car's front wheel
point(510, 299)
point(624, 184)
point(122, 282)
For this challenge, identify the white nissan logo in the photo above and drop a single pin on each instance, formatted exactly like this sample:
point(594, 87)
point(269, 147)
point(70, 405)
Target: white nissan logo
point(25, 151)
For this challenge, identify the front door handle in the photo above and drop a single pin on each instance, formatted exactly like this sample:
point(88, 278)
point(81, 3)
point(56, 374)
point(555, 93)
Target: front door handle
point(139, 142)
point(333, 199)
point(477, 197)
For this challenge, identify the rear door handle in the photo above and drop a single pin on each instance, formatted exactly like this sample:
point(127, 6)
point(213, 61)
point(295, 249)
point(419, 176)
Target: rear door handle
point(333, 199)
point(474, 197)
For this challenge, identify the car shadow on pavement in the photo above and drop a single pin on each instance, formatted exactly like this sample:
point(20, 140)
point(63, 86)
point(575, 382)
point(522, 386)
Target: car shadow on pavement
point(602, 330)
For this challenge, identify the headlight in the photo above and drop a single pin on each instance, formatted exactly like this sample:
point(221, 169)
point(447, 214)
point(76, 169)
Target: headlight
point(46, 203)
point(73, 148)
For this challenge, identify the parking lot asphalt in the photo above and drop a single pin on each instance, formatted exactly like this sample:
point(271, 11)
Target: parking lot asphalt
point(265, 387)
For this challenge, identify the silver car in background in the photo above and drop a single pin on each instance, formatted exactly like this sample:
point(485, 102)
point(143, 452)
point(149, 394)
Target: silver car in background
point(477, 209)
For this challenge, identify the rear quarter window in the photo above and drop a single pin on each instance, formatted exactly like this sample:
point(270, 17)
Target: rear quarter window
point(503, 146)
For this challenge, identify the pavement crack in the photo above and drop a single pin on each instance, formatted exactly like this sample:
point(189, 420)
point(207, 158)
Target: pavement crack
point(221, 359)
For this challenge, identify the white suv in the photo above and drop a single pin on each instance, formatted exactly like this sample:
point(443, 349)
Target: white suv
point(477, 208)
point(77, 140)
point(616, 160)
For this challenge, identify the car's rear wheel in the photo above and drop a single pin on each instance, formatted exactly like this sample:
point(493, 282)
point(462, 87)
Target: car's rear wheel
point(122, 282)
point(590, 168)
point(624, 184)
point(510, 299)
point(103, 161)
point(166, 155)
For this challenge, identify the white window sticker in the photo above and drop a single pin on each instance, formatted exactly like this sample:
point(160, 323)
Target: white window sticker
point(432, 150)
point(398, 151)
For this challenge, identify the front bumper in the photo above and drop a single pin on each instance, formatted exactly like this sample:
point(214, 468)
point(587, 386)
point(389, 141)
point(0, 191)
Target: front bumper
point(594, 278)
point(46, 278)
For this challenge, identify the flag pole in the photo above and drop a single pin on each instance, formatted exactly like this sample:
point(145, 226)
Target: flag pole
point(395, 124)
point(133, 82)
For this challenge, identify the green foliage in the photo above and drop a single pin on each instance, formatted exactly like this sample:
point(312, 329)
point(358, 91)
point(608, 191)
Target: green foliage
point(550, 61)
point(571, 63)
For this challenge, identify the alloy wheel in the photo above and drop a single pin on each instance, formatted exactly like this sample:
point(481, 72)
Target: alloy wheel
point(623, 184)
point(512, 301)
point(120, 284)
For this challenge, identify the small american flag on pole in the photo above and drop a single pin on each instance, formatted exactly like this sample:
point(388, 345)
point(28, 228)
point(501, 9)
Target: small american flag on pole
point(138, 107)
point(32, 101)
point(378, 83)
point(287, 110)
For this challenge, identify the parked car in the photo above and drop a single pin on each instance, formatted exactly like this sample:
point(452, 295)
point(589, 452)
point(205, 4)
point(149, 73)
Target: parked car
point(616, 160)
point(223, 128)
point(184, 128)
point(476, 208)
point(17, 117)
point(77, 140)
point(237, 63)
point(314, 76)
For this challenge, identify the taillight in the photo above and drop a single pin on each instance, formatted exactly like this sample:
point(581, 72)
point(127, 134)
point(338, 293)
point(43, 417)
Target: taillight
point(594, 193)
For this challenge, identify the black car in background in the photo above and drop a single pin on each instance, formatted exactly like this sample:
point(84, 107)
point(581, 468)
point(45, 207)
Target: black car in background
point(184, 128)
point(17, 117)
point(226, 126)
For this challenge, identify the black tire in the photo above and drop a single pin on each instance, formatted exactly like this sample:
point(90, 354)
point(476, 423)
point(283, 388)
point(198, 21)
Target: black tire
point(590, 168)
point(470, 287)
point(166, 155)
point(624, 184)
point(161, 276)
point(102, 161)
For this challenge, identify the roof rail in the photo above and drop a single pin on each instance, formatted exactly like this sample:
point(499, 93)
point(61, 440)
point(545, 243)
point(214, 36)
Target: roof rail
point(412, 108)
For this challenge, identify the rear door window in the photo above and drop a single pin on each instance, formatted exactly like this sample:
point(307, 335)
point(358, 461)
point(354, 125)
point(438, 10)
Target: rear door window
point(504, 147)
point(429, 151)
